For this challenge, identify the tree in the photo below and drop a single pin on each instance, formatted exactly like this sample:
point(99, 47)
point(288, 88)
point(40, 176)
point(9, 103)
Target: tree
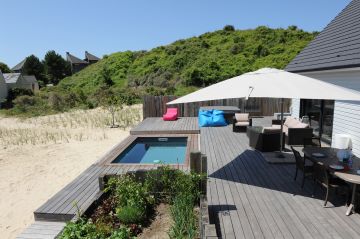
point(229, 28)
point(4, 68)
point(110, 101)
point(33, 66)
point(56, 68)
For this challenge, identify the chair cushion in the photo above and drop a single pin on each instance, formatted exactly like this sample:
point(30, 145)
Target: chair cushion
point(291, 122)
point(242, 124)
point(301, 125)
point(242, 117)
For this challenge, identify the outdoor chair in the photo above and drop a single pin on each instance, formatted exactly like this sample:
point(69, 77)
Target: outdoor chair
point(323, 178)
point(313, 142)
point(171, 114)
point(300, 165)
point(241, 121)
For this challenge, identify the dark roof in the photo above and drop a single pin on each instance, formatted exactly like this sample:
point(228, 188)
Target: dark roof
point(19, 66)
point(337, 46)
point(91, 57)
point(73, 59)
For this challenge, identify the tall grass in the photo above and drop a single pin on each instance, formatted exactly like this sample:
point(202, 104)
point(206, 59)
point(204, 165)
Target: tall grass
point(76, 125)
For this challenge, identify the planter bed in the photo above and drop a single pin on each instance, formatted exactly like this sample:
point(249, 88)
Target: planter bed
point(159, 203)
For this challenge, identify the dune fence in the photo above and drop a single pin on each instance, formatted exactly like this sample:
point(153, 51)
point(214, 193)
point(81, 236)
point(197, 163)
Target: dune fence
point(155, 106)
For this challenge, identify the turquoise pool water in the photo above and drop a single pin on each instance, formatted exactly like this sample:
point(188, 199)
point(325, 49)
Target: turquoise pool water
point(154, 150)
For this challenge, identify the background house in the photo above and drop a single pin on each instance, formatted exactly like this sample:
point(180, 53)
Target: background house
point(3, 88)
point(90, 58)
point(77, 64)
point(333, 56)
point(17, 80)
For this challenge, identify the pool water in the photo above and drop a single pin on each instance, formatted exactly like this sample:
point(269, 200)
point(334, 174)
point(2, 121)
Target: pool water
point(155, 150)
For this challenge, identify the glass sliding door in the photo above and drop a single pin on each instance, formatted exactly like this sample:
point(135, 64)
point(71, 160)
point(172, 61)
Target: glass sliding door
point(320, 114)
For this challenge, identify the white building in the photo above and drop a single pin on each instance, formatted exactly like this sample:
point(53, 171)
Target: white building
point(333, 56)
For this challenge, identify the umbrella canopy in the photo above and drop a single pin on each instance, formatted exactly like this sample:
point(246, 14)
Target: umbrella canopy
point(271, 83)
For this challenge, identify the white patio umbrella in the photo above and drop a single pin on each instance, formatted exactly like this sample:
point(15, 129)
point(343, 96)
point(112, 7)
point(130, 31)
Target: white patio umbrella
point(271, 83)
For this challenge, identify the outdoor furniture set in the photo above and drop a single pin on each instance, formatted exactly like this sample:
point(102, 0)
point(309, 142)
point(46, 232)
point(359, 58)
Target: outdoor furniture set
point(329, 172)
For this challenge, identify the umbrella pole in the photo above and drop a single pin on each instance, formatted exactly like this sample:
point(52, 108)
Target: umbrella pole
point(281, 155)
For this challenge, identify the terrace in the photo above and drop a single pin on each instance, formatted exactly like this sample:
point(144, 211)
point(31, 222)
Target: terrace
point(247, 197)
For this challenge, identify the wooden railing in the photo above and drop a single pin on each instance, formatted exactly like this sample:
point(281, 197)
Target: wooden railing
point(155, 106)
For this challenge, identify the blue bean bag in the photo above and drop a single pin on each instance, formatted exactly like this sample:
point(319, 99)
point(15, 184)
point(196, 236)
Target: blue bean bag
point(211, 118)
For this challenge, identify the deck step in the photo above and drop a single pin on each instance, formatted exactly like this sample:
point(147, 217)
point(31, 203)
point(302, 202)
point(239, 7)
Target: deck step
point(42, 230)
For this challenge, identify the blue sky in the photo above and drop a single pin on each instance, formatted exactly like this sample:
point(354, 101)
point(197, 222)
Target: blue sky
point(103, 27)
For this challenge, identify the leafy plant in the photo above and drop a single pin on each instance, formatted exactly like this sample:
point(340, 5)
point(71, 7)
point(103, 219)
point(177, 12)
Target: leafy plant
point(130, 214)
point(81, 229)
point(130, 192)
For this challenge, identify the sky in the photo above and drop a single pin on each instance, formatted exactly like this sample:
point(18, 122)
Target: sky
point(107, 26)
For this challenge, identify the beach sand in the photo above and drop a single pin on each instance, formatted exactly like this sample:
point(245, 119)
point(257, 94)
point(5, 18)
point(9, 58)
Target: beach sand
point(36, 169)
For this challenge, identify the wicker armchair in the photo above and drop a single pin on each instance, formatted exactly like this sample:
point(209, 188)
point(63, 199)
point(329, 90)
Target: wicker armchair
point(241, 121)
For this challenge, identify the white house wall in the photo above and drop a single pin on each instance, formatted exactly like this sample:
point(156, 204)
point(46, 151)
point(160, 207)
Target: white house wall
point(346, 114)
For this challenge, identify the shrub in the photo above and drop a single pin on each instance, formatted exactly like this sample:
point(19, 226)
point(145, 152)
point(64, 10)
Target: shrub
point(130, 214)
point(80, 229)
point(23, 102)
point(55, 101)
point(15, 92)
point(121, 233)
point(130, 192)
point(229, 28)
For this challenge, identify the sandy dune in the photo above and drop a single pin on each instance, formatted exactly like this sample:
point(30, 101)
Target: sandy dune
point(53, 154)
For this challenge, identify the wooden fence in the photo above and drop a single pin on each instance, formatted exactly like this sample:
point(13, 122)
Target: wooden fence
point(155, 106)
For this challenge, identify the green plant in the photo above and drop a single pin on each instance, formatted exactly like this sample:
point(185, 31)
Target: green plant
point(81, 229)
point(121, 233)
point(167, 183)
point(130, 192)
point(182, 212)
point(130, 214)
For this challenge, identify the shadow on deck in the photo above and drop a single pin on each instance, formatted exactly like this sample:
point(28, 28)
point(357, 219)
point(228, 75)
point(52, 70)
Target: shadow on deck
point(249, 198)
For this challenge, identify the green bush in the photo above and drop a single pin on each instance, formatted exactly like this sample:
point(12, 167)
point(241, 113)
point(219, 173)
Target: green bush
point(121, 233)
point(130, 214)
point(81, 229)
point(130, 192)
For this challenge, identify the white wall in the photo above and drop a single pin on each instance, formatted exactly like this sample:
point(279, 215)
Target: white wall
point(346, 114)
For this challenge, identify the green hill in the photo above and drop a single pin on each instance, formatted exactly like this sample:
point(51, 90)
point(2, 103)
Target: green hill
point(197, 61)
point(182, 66)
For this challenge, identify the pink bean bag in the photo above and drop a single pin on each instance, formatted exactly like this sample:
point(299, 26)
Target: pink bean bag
point(171, 114)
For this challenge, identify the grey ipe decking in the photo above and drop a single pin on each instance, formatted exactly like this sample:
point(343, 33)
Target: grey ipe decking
point(155, 125)
point(83, 190)
point(42, 230)
point(249, 198)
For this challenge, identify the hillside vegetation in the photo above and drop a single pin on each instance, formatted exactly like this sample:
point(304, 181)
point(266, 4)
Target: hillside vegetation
point(184, 65)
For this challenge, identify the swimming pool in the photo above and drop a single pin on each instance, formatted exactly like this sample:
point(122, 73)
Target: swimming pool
point(154, 150)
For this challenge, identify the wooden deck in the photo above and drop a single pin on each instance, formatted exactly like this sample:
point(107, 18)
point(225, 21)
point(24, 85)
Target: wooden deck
point(249, 198)
point(42, 230)
point(186, 125)
point(83, 190)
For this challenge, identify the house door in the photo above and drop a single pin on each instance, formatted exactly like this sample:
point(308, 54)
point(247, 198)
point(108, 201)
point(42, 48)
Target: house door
point(321, 114)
